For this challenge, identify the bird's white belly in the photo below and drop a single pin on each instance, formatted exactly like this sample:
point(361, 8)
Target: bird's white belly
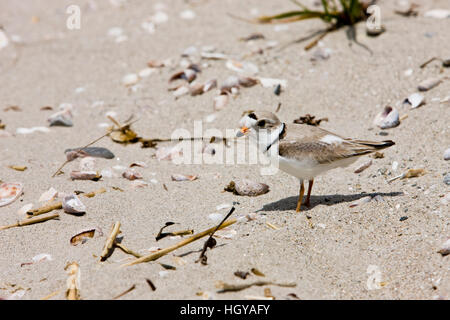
point(307, 169)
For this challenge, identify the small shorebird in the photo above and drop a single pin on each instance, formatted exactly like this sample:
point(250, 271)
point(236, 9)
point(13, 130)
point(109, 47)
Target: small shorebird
point(303, 151)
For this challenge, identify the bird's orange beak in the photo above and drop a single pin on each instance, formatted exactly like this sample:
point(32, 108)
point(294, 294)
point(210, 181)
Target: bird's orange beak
point(242, 132)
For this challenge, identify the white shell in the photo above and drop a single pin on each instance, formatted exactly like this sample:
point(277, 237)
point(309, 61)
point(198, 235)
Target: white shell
point(216, 217)
point(437, 14)
point(187, 14)
point(9, 192)
point(429, 84)
point(72, 204)
point(48, 195)
point(130, 79)
point(447, 154)
point(144, 73)
point(181, 91)
point(3, 40)
point(363, 167)
point(415, 100)
point(270, 83)
point(243, 67)
point(87, 164)
point(160, 17)
point(220, 102)
point(388, 118)
point(32, 130)
point(130, 174)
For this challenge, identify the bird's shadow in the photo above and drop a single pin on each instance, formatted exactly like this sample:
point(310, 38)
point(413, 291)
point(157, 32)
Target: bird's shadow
point(290, 203)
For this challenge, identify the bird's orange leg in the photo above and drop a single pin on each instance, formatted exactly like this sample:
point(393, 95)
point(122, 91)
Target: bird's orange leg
point(310, 185)
point(300, 196)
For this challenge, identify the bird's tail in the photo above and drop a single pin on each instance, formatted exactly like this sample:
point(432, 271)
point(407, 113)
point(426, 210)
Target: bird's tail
point(361, 147)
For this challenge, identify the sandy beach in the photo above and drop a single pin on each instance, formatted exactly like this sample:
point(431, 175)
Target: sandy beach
point(383, 249)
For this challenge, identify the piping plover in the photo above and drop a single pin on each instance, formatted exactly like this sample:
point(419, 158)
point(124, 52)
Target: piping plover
point(303, 151)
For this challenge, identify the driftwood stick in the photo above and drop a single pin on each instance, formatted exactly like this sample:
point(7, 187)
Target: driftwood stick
point(225, 287)
point(160, 253)
point(26, 222)
point(126, 250)
point(115, 230)
point(47, 208)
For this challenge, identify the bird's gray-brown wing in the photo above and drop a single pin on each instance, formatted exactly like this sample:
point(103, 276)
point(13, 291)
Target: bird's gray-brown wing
point(306, 142)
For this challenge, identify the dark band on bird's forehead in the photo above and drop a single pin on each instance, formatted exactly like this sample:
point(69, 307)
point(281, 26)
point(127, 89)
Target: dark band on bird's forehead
point(252, 116)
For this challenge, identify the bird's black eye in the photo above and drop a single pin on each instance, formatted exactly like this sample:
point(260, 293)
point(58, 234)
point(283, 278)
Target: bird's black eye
point(252, 116)
point(261, 123)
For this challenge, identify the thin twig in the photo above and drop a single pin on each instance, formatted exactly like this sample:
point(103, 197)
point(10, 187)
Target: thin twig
point(91, 143)
point(125, 292)
point(115, 230)
point(160, 253)
point(202, 256)
point(27, 222)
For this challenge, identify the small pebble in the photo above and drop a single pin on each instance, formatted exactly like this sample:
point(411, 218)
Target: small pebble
point(447, 154)
point(447, 179)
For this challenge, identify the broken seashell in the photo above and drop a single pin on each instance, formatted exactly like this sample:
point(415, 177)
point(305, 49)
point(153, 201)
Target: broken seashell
point(9, 192)
point(130, 79)
point(229, 83)
point(85, 175)
point(159, 17)
point(32, 130)
point(220, 102)
point(130, 174)
point(182, 177)
point(42, 257)
point(188, 74)
point(388, 118)
point(72, 204)
point(363, 167)
point(445, 248)
point(187, 14)
point(48, 195)
point(25, 209)
point(415, 100)
point(247, 82)
point(447, 154)
point(139, 164)
point(270, 83)
point(87, 164)
point(146, 72)
point(169, 153)
point(216, 217)
point(406, 8)
point(82, 237)
point(181, 91)
point(209, 85)
point(138, 184)
point(246, 187)
point(155, 64)
point(242, 67)
point(437, 14)
point(213, 55)
point(360, 201)
point(196, 89)
point(4, 41)
point(429, 84)
point(321, 54)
